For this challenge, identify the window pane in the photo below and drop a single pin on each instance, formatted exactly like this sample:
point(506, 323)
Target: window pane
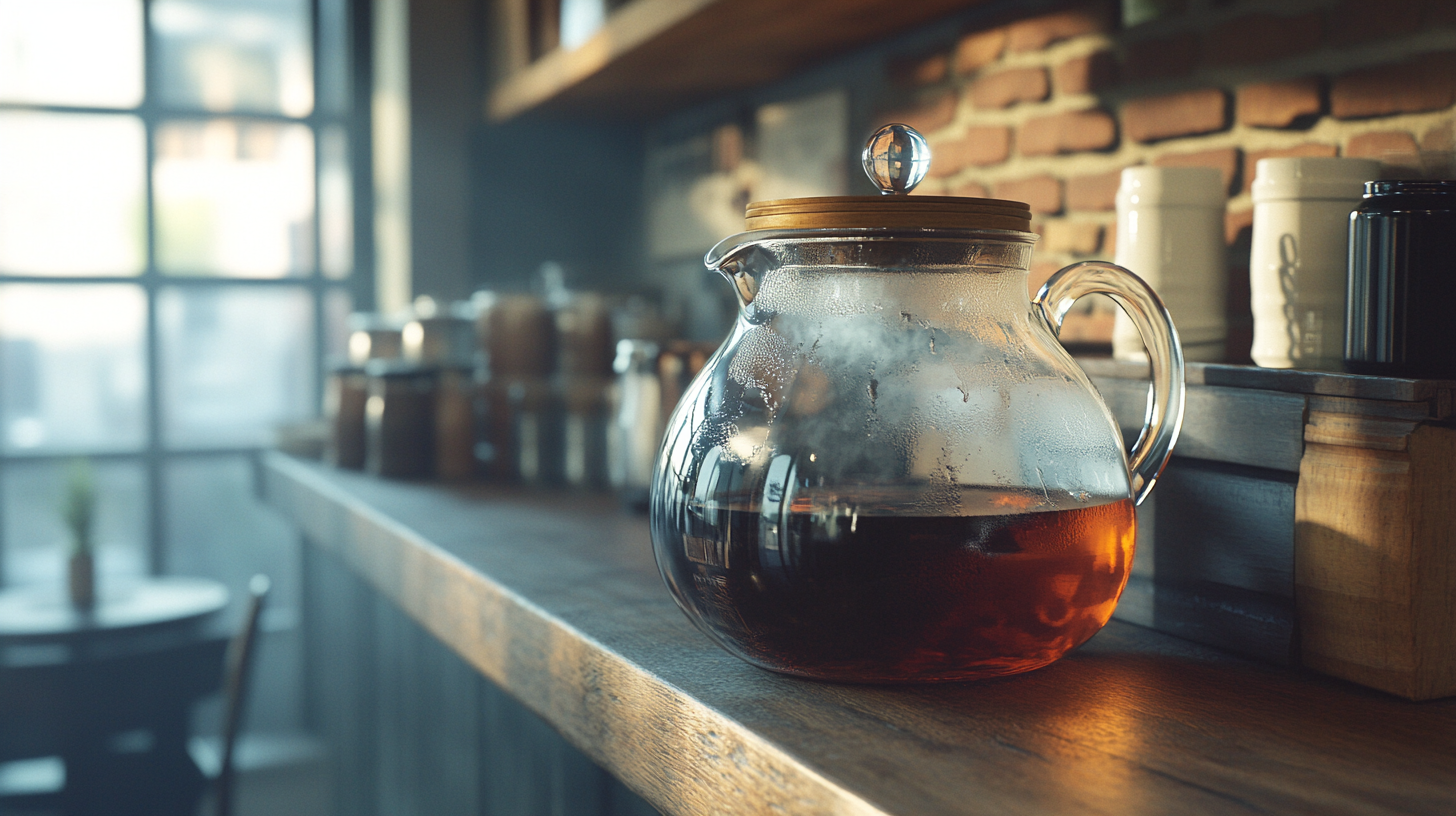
point(234, 55)
point(72, 367)
point(234, 198)
point(71, 52)
point(37, 542)
point(236, 361)
point(72, 194)
point(336, 205)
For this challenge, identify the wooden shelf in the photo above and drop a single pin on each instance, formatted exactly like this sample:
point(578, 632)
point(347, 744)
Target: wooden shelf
point(555, 598)
point(653, 55)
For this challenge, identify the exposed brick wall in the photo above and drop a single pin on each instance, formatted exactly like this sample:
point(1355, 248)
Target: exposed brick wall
point(1048, 109)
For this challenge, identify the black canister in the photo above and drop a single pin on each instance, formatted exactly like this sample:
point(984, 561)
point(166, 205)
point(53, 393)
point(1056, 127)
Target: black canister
point(345, 395)
point(1399, 320)
point(400, 420)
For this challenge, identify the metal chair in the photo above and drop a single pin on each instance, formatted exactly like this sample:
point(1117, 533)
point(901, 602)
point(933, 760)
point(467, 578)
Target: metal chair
point(239, 662)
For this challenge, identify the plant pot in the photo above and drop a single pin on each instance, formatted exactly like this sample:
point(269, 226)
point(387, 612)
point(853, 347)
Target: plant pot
point(81, 580)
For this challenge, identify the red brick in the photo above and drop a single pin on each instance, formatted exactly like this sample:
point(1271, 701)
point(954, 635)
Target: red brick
point(1181, 114)
point(1072, 237)
point(1259, 38)
point(931, 114)
point(1090, 326)
point(1235, 223)
point(1037, 33)
point(1396, 148)
point(1005, 88)
point(1225, 160)
point(1355, 21)
point(979, 49)
point(979, 147)
point(1096, 192)
point(1086, 74)
point(1278, 104)
point(1042, 193)
point(1423, 84)
point(914, 72)
point(1164, 58)
point(1071, 132)
point(1308, 149)
point(971, 189)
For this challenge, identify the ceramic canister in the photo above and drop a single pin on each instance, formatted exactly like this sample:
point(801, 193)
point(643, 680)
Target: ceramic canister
point(1170, 233)
point(1297, 268)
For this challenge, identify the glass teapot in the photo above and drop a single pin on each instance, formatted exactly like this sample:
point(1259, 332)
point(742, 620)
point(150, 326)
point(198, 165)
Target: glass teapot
point(891, 471)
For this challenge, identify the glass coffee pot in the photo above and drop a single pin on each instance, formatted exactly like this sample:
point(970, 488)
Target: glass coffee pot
point(891, 471)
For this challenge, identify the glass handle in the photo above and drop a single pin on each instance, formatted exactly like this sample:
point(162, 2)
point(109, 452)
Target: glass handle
point(1164, 417)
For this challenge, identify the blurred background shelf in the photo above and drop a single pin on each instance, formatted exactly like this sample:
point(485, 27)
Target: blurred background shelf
point(652, 56)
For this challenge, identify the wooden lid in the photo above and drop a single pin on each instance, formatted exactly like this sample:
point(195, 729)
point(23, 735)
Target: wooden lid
point(902, 211)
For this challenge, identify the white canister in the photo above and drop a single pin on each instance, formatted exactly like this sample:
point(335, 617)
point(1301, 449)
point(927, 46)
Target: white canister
point(1170, 233)
point(1300, 249)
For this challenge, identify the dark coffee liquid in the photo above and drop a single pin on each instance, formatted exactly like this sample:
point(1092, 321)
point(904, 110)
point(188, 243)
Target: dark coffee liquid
point(853, 597)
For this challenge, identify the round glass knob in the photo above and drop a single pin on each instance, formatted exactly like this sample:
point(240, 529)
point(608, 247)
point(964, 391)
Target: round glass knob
point(896, 158)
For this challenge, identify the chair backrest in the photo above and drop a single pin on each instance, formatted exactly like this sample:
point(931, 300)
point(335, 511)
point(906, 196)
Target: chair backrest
point(239, 659)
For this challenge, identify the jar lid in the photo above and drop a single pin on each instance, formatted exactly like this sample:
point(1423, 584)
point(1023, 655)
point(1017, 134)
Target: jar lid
point(896, 158)
point(856, 212)
point(1311, 178)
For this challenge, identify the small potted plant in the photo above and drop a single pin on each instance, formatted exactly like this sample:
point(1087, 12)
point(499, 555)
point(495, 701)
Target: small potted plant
point(79, 511)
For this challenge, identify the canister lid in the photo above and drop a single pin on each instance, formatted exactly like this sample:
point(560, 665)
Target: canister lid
point(896, 158)
point(391, 369)
point(1410, 187)
point(1171, 187)
point(1312, 178)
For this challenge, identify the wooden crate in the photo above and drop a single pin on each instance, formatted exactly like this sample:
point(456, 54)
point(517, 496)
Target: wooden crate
point(1306, 518)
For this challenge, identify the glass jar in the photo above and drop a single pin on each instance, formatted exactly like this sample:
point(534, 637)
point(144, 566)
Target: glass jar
point(891, 471)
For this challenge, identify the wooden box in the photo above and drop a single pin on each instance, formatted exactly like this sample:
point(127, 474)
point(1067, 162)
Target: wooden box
point(1306, 518)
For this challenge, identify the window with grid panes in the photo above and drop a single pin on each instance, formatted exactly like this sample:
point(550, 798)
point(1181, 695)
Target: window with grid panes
point(177, 243)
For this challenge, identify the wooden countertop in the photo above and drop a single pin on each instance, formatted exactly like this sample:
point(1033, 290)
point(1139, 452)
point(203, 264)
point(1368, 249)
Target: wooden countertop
point(556, 598)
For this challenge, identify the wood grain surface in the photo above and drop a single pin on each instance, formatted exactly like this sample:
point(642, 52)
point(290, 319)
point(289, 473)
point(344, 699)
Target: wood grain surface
point(1240, 426)
point(1375, 553)
point(655, 55)
point(556, 599)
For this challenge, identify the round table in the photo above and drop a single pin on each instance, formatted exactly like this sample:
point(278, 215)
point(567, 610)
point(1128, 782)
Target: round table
point(74, 682)
point(38, 624)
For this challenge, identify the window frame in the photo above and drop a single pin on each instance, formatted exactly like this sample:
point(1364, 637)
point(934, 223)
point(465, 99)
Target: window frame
point(354, 36)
